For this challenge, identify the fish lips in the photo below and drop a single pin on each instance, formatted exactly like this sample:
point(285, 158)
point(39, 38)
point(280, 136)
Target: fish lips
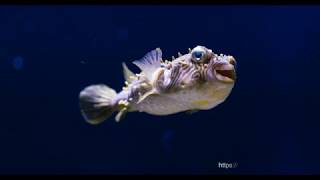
point(225, 73)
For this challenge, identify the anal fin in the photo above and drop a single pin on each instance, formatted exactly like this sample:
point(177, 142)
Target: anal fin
point(124, 106)
point(121, 114)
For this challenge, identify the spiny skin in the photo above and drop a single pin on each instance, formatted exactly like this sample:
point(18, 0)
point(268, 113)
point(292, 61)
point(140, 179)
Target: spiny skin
point(198, 80)
point(179, 85)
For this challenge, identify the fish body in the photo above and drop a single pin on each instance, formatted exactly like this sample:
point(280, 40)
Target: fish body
point(198, 80)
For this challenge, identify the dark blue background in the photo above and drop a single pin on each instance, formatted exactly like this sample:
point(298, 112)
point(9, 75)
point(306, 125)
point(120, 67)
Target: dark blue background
point(268, 125)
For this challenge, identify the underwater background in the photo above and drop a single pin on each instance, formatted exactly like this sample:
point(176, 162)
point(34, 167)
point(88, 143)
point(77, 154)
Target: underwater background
point(268, 125)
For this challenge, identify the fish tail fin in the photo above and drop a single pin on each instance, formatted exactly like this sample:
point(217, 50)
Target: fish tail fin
point(96, 103)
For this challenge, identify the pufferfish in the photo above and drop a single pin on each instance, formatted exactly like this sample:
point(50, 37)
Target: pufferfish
point(198, 80)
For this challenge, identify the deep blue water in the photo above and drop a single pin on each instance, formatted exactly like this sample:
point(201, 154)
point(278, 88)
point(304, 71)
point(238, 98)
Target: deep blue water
point(268, 125)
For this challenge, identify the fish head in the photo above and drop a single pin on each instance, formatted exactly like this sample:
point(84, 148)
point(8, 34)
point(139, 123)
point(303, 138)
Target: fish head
point(220, 68)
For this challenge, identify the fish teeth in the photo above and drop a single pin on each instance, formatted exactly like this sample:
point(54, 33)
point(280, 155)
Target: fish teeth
point(189, 49)
point(173, 58)
point(179, 54)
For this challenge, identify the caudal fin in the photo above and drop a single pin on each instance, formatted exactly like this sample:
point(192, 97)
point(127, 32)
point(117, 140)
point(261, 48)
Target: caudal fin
point(96, 103)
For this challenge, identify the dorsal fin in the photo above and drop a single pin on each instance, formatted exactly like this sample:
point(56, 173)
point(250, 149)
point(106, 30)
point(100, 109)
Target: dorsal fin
point(128, 75)
point(150, 62)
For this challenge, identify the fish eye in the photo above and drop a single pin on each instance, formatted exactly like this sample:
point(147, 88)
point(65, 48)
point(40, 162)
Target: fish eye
point(198, 55)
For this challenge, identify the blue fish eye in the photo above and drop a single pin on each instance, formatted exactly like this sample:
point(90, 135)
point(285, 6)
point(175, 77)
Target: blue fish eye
point(198, 54)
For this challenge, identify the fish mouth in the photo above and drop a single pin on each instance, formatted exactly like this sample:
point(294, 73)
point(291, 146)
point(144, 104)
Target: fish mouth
point(226, 73)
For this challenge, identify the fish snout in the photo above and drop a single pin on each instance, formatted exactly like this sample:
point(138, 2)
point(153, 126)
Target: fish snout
point(225, 69)
point(232, 61)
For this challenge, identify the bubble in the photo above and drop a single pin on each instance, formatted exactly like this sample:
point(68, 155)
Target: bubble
point(18, 62)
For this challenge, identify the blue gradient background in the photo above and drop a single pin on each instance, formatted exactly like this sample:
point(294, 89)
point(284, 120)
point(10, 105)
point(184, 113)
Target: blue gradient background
point(268, 125)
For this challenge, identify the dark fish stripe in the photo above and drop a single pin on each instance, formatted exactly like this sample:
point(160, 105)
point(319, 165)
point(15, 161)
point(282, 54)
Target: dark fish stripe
point(187, 73)
point(174, 76)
